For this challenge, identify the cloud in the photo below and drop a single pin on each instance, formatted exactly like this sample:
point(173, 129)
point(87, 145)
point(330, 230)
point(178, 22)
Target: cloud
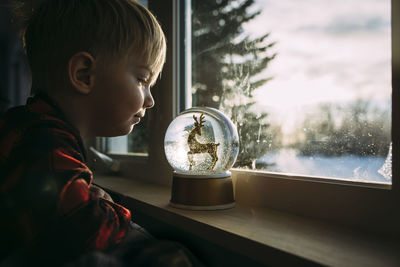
point(349, 25)
point(345, 24)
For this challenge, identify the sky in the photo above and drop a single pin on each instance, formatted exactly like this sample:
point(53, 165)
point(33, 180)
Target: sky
point(327, 51)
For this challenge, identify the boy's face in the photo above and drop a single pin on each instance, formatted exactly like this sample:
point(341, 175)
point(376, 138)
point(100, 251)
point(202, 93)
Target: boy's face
point(121, 95)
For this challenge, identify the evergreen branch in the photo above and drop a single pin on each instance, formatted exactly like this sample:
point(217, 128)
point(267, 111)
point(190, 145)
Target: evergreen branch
point(260, 83)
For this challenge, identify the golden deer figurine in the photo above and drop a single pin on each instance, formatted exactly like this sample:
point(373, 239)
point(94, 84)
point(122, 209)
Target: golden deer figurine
point(197, 148)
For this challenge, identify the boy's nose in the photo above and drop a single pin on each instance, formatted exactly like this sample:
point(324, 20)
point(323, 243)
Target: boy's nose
point(148, 100)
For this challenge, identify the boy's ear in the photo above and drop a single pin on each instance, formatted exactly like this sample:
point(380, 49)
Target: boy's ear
point(81, 71)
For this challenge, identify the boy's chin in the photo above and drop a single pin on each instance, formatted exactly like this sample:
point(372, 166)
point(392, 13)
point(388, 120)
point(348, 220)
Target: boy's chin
point(119, 132)
point(130, 129)
point(127, 130)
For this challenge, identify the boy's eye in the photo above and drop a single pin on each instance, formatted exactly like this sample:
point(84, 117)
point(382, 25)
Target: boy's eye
point(143, 81)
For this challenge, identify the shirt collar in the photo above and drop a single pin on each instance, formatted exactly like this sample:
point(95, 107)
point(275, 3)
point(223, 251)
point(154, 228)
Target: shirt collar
point(45, 105)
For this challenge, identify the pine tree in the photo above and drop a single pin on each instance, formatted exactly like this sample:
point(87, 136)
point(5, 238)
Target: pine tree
point(225, 62)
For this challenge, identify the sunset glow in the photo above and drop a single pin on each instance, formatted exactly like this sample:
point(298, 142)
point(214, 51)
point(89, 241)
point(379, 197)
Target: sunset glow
point(327, 51)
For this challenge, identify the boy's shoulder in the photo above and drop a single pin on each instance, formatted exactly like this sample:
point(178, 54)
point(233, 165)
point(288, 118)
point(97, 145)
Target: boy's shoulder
point(38, 125)
point(39, 112)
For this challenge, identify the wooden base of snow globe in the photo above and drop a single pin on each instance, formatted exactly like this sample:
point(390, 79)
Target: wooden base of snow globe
point(202, 192)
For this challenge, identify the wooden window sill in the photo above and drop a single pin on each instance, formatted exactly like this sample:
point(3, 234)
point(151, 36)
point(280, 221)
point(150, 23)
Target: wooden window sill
point(265, 236)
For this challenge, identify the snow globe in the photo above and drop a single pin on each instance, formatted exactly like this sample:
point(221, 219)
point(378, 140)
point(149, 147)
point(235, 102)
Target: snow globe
point(201, 145)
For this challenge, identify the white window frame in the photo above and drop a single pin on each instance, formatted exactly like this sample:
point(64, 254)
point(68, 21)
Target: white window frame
point(368, 206)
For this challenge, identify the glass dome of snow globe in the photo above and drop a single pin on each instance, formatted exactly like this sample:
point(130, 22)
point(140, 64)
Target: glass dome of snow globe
point(201, 144)
point(201, 141)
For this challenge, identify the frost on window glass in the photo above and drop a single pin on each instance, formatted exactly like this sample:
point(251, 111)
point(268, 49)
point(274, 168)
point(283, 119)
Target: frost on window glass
point(307, 83)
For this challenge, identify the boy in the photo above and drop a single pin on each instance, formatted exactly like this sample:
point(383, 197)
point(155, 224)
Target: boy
point(93, 63)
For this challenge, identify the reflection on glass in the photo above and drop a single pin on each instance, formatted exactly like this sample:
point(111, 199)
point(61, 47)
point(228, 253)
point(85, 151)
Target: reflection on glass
point(307, 83)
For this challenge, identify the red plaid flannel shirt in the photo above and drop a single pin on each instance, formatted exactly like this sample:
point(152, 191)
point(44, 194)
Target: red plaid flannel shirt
point(44, 185)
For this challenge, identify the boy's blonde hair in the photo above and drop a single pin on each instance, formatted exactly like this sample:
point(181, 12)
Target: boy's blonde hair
point(54, 30)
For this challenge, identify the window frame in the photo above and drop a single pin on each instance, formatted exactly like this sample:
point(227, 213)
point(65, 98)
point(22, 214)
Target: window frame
point(367, 206)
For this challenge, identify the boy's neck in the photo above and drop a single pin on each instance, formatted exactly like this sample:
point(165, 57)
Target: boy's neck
point(75, 110)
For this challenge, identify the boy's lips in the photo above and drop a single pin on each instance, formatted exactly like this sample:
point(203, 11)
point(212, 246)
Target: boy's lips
point(138, 117)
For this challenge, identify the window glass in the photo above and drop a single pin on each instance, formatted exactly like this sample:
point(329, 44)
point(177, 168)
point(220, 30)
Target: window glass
point(307, 83)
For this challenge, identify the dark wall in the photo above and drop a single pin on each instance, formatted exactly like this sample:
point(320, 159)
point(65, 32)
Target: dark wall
point(14, 71)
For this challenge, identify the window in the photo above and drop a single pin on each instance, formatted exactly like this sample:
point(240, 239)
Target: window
point(307, 84)
point(363, 204)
